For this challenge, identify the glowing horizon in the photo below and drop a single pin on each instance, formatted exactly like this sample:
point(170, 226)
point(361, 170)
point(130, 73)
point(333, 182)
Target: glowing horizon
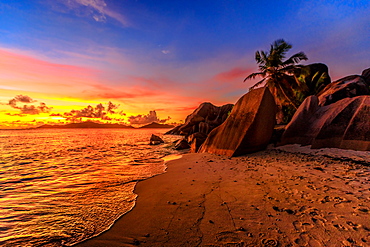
point(157, 61)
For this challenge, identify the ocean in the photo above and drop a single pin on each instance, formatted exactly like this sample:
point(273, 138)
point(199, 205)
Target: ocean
point(62, 186)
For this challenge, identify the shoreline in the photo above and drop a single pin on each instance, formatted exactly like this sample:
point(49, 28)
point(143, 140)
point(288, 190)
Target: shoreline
point(270, 198)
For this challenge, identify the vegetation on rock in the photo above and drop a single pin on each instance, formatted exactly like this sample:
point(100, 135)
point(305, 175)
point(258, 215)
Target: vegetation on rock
point(277, 72)
point(289, 82)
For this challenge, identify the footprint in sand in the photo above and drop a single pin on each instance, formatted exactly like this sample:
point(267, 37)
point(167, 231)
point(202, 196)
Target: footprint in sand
point(302, 227)
point(362, 210)
point(229, 239)
point(340, 227)
point(306, 240)
point(354, 225)
point(302, 240)
point(269, 242)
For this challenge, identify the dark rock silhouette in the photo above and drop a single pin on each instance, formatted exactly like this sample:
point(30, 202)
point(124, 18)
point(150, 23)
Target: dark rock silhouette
point(314, 77)
point(181, 144)
point(349, 86)
point(305, 80)
point(343, 124)
point(196, 140)
point(174, 131)
point(205, 118)
point(155, 140)
point(156, 125)
point(276, 134)
point(248, 128)
point(366, 75)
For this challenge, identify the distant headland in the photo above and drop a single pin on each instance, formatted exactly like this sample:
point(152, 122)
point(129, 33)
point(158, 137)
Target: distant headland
point(90, 124)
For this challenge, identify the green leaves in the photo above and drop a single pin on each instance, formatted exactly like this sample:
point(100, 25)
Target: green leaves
point(276, 72)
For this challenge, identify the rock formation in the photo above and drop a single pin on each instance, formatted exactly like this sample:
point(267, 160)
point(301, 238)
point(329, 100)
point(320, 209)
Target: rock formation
point(366, 75)
point(313, 77)
point(303, 127)
point(343, 124)
point(349, 129)
point(181, 144)
point(205, 118)
point(248, 128)
point(174, 131)
point(349, 86)
point(155, 140)
point(196, 140)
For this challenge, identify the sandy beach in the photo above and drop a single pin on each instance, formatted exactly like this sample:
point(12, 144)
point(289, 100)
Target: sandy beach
point(278, 197)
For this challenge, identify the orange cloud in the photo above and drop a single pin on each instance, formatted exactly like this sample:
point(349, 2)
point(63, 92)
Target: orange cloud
point(175, 91)
point(28, 109)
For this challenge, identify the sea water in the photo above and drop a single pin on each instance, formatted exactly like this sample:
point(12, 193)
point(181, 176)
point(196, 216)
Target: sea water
point(59, 187)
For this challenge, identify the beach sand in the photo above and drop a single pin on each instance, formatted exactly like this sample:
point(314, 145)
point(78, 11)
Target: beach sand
point(289, 196)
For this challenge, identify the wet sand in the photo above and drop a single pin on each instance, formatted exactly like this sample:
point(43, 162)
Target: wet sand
point(269, 198)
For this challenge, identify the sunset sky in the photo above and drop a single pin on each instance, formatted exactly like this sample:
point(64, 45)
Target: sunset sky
point(138, 61)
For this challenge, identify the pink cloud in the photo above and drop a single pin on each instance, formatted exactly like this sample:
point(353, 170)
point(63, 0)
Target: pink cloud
point(233, 74)
point(26, 72)
point(108, 92)
point(176, 90)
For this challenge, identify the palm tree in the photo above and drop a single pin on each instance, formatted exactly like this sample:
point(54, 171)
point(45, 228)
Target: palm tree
point(276, 72)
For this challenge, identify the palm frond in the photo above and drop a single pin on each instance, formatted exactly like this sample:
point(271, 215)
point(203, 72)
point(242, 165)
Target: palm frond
point(289, 69)
point(257, 84)
point(281, 47)
point(253, 75)
point(296, 58)
point(258, 58)
point(264, 57)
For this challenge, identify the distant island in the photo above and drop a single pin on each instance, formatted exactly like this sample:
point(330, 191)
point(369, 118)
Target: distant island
point(90, 124)
point(156, 125)
point(87, 124)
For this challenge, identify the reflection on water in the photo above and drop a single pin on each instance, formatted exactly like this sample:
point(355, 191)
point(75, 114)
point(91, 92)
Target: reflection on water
point(59, 187)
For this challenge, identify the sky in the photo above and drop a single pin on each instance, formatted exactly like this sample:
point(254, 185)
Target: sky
point(139, 61)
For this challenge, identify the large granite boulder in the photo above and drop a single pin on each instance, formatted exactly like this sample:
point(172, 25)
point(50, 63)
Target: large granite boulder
point(366, 75)
point(205, 118)
point(347, 87)
point(343, 124)
point(303, 127)
point(349, 128)
point(248, 128)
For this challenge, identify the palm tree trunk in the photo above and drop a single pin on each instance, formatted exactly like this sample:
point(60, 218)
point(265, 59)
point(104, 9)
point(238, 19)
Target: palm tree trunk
point(286, 96)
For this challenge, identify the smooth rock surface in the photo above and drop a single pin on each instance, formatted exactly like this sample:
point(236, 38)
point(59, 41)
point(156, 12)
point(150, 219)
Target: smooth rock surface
point(349, 129)
point(303, 127)
point(248, 128)
point(343, 124)
point(347, 87)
